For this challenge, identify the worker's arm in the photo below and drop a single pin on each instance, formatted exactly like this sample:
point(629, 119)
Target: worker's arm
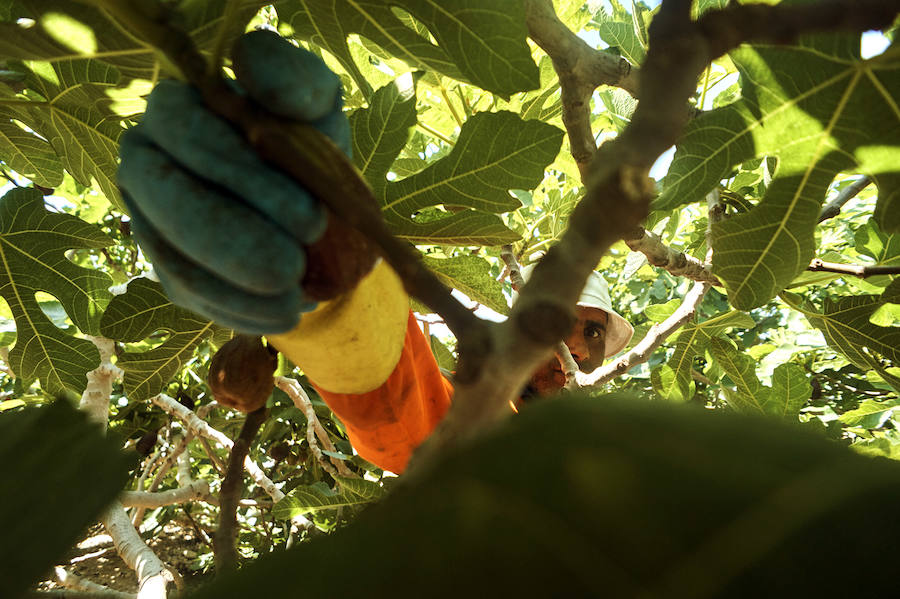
point(374, 368)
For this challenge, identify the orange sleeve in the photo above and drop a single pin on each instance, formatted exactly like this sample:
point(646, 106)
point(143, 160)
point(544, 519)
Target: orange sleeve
point(386, 425)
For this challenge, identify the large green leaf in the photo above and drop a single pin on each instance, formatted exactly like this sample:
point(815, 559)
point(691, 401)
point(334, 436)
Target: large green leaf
point(468, 227)
point(64, 30)
point(65, 473)
point(476, 174)
point(614, 498)
point(870, 413)
point(33, 243)
point(880, 246)
point(381, 130)
point(845, 323)
point(134, 315)
point(789, 391)
point(476, 41)
point(215, 24)
point(472, 276)
point(495, 152)
point(820, 110)
point(892, 292)
point(673, 380)
point(886, 211)
point(28, 154)
point(621, 35)
point(350, 492)
point(76, 120)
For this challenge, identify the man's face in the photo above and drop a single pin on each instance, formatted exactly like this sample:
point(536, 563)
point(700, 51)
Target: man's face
point(587, 344)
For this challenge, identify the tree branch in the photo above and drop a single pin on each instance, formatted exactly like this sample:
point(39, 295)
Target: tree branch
point(728, 28)
point(179, 444)
point(314, 428)
point(857, 270)
point(833, 207)
point(673, 261)
point(225, 537)
point(153, 575)
point(199, 427)
point(658, 333)
point(72, 581)
point(152, 500)
point(566, 361)
point(581, 69)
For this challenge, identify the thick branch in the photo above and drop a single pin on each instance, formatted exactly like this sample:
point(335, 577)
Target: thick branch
point(153, 575)
point(673, 261)
point(833, 207)
point(566, 361)
point(581, 69)
point(726, 29)
point(225, 537)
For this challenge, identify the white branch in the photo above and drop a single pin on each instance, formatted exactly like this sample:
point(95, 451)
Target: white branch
point(95, 399)
point(150, 500)
point(314, 428)
point(153, 575)
point(179, 444)
point(73, 581)
point(202, 429)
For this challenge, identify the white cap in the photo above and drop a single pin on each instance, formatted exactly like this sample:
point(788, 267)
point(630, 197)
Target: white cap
point(596, 295)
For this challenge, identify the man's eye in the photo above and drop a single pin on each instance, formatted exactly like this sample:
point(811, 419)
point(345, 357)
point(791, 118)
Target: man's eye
point(594, 332)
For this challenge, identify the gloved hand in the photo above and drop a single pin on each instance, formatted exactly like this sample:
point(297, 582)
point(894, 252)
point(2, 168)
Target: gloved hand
point(226, 232)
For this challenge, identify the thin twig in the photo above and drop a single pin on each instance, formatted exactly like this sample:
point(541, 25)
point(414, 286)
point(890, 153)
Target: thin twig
point(216, 461)
point(201, 428)
point(179, 444)
point(833, 207)
point(658, 333)
point(200, 532)
point(314, 428)
point(857, 270)
point(87, 587)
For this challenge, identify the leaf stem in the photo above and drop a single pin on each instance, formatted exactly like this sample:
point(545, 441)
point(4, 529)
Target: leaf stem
point(435, 133)
point(452, 108)
point(705, 87)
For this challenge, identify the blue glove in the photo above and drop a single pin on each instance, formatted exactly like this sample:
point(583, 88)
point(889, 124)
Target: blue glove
point(225, 231)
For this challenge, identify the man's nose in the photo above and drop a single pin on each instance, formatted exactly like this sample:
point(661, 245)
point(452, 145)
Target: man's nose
point(578, 347)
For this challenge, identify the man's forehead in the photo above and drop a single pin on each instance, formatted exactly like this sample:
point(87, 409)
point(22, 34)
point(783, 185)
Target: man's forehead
point(585, 313)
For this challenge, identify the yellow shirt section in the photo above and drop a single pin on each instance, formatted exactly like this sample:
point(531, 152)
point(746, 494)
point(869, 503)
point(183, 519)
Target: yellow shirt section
point(352, 343)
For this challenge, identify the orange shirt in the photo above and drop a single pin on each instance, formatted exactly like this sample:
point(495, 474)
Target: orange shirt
point(386, 425)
